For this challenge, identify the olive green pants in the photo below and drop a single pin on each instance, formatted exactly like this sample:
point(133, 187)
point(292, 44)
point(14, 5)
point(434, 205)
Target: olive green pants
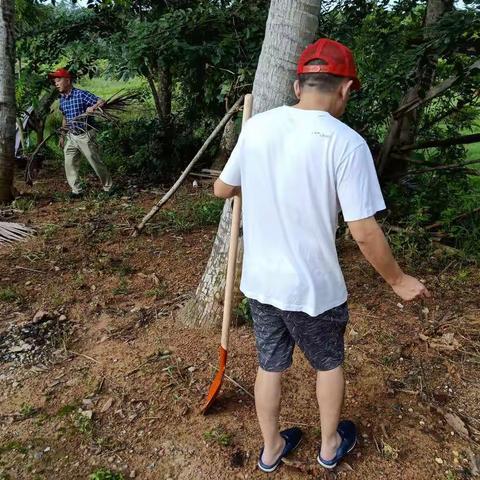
point(75, 146)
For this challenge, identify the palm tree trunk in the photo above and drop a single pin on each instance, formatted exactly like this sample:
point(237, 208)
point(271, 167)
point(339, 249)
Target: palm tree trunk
point(291, 26)
point(7, 99)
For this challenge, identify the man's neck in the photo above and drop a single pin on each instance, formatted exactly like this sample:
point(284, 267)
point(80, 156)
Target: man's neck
point(324, 103)
point(66, 94)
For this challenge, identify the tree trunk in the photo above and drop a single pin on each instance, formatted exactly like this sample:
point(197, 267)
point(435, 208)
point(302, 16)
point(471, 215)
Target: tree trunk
point(162, 93)
point(165, 92)
point(227, 144)
point(206, 307)
point(7, 99)
point(403, 129)
point(291, 26)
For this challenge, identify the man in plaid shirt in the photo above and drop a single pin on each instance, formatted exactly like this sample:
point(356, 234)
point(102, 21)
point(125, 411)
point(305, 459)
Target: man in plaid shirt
point(78, 135)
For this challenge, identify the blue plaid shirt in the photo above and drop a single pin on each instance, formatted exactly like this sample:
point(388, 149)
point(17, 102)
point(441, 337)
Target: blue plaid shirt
point(75, 104)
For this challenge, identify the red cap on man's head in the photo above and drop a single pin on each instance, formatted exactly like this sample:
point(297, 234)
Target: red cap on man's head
point(337, 57)
point(60, 73)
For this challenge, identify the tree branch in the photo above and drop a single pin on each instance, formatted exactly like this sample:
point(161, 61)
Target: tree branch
point(459, 106)
point(458, 217)
point(457, 166)
point(187, 170)
point(434, 92)
point(464, 140)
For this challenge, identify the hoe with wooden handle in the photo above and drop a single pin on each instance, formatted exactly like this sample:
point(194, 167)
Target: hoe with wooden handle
point(227, 305)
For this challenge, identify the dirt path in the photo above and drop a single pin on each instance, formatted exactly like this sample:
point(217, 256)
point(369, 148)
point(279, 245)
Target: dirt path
point(106, 377)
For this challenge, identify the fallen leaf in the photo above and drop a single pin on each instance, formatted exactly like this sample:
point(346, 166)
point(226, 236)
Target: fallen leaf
point(86, 413)
point(108, 403)
point(449, 339)
point(40, 315)
point(457, 424)
point(305, 467)
point(474, 463)
point(344, 467)
point(389, 452)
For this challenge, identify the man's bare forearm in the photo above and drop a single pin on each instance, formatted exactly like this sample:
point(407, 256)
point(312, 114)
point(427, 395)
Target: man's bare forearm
point(100, 103)
point(374, 246)
point(376, 250)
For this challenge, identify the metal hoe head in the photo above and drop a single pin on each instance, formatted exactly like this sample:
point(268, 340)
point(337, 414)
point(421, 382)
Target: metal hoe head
point(217, 381)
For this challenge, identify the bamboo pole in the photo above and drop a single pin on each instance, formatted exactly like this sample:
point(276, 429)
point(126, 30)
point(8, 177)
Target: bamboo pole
point(166, 197)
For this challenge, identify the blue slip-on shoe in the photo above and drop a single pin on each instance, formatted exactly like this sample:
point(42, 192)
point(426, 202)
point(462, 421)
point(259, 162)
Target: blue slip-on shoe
point(348, 434)
point(292, 438)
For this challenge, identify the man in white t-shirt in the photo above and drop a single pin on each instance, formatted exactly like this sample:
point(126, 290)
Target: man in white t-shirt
point(297, 168)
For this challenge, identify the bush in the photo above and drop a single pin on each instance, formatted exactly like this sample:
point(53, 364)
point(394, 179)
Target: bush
point(435, 199)
point(146, 148)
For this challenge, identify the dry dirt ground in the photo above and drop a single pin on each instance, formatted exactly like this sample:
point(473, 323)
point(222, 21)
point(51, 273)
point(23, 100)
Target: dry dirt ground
point(97, 371)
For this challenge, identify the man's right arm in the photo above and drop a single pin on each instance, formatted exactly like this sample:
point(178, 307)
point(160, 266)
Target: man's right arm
point(374, 246)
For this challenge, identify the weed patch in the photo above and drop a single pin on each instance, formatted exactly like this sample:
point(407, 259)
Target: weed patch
point(218, 435)
point(9, 295)
point(104, 474)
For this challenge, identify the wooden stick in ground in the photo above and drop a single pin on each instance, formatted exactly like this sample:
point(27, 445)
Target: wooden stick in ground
point(182, 177)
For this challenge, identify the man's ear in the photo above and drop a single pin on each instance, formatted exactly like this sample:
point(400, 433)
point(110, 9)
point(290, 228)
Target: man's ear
point(296, 88)
point(345, 89)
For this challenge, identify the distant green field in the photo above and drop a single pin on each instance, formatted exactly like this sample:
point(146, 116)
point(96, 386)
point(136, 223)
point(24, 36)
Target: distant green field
point(105, 88)
point(474, 148)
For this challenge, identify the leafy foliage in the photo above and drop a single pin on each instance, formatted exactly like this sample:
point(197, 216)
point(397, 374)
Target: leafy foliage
point(387, 43)
point(197, 56)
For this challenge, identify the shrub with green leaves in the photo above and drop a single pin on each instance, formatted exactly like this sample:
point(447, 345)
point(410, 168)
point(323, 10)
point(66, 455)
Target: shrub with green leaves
point(139, 147)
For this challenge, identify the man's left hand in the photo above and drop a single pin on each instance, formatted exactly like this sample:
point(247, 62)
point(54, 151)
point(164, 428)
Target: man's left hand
point(90, 109)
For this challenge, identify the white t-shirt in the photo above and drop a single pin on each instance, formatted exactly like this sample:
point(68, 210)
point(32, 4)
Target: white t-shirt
point(297, 170)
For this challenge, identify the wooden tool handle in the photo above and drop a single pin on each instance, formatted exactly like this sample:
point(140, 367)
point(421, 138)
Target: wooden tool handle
point(232, 250)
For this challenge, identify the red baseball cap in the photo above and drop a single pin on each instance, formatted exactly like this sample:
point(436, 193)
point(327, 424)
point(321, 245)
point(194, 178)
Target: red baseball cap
point(60, 73)
point(337, 57)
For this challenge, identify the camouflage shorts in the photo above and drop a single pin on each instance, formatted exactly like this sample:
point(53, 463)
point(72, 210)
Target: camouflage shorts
point(320, 338)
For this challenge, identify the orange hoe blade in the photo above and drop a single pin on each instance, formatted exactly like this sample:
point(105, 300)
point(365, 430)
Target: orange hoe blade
point(230, 282)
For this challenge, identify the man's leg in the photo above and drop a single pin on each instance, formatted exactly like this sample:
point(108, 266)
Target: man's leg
point(330, 390)
point(275, 348)
point(89, 148)
point(72, 164)
point(321, 340)
point(267, 403)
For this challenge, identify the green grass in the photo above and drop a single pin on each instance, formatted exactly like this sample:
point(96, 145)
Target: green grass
point(66, 410)
point(473, 150)
point(9, 295)
point(218, 435)
point(83, 423)
point(104, 474)
point(13, 446)
point(105, 87)
point(27, 410)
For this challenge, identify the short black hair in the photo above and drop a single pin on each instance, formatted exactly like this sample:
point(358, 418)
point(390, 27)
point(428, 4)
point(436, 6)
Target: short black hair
point(322, 82)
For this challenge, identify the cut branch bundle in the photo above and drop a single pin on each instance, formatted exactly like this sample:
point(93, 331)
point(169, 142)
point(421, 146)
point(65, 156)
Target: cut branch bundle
point(14, 232)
